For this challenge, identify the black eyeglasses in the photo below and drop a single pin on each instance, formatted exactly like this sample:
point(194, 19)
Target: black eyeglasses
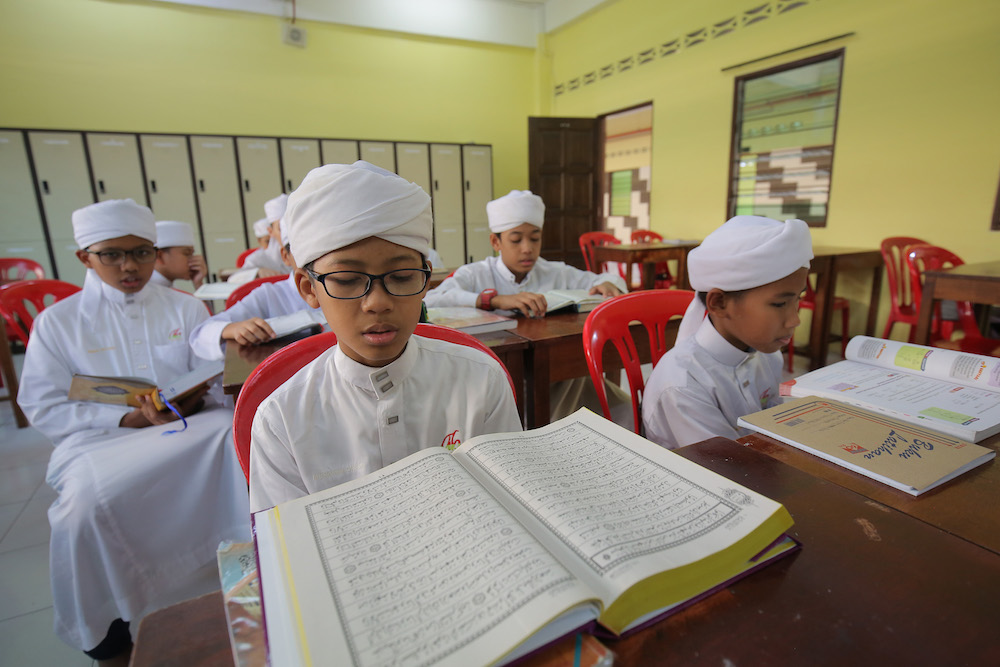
point(356, 284)
point(144, 254)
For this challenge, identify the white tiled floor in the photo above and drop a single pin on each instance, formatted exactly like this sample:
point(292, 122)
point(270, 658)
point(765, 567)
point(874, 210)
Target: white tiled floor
point(26, 637)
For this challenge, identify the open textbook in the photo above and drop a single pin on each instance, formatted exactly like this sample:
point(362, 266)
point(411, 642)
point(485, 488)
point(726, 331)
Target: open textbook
point(484, 554)
point(905, 456)
point(470, 320)
point(296, 325)
point(126, 390)
point(944, 390)
point(579, 300)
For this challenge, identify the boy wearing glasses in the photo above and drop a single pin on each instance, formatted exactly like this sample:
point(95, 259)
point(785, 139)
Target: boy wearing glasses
point(362, 235)
point(140, 511)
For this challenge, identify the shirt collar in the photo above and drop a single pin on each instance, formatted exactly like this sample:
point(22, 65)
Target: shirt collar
point(502, 273)
point(96, 291)
point(383, 381)
point(718, 347)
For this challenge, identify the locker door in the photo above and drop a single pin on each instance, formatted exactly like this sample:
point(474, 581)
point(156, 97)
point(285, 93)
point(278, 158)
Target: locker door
point(446, 194)
point(298, 157)
point(64, 180)
point(477, 166)
point(379, 153)
point(339, 151)
point(260, 169)
point(117, 174)
point(20, 221)
point(414, 165)
point(218, 190)
point(168, 178)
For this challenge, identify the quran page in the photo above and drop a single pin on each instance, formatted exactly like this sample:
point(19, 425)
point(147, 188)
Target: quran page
point(641, 525)
point(414, 564)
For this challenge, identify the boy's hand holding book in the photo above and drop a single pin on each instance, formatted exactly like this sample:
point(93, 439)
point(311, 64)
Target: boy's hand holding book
point(147, 413)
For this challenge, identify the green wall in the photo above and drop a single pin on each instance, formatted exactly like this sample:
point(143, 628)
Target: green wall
point(144, 66)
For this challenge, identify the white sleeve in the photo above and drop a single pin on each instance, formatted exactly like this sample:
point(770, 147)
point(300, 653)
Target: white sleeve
point(679, 416)
point(274, 474)
point(501, 409)
point(206, 339)
point(452, 292)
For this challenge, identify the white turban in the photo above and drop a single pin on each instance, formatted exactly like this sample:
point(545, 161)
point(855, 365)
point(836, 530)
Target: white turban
point(112, 219)
point(170, 234)
point(261, 228)
point(339, 204)
point(745, 252)
point(514, 209)
point(275, 208)
point(283, 228)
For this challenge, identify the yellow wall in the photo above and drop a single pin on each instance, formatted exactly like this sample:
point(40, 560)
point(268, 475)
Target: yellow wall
point(918, 142)
point(143, 66)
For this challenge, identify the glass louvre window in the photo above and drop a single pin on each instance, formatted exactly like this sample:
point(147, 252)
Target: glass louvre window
point(785, 124)
point(621, 193)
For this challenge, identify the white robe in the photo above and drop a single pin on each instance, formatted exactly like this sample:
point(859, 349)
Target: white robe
point(268, 258)
point(159, 279)
point(465, 285)
point(268, 300)
point(140, 514)
point(337, 420)
point(703, 385)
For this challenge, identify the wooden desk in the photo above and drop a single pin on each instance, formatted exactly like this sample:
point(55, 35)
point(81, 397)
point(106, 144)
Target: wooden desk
point(648, 254)
point(979, 283)
point(871, 585)
point(437, 277)
point(963, 507)
point(828, 262)
point(10, 376)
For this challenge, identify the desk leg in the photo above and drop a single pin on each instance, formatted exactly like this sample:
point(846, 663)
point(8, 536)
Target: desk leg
point(825, 284)
point(514, 362)
point(922, 337)
point(874, 300)
point(536, 399)
point(10, 376)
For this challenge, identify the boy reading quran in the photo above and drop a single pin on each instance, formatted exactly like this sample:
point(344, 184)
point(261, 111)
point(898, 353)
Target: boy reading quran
point(726, 363)
point(142, 502)
point(268, 261)
point(361, 235)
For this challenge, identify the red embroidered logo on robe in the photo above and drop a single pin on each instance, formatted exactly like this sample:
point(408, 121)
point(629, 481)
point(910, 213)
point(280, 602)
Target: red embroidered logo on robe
point(451, 441)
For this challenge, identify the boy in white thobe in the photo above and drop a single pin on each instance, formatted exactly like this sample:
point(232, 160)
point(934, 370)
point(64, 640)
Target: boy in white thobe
point(244, 321)
point(362, 236)
point(140, 512)
point(268, 261)
point(175, 258)
point(726, 363)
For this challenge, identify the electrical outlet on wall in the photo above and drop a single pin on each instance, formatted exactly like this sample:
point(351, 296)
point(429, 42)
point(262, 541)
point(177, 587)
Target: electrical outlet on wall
point(293, 34)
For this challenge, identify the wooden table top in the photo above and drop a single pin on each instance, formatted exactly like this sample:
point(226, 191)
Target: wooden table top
point(981, 270)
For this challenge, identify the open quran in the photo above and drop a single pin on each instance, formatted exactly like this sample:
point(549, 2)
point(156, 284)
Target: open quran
point(484, 554)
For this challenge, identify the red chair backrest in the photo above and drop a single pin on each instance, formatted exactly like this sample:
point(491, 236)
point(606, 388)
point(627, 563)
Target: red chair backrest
point(590, 239)
point(926, 257)
point(15, 299)
point(894, 257)
point(610, 322)
point(248, 287)
point(645, 236)
point(18, 268)
point(243, 256)
point(283, 364)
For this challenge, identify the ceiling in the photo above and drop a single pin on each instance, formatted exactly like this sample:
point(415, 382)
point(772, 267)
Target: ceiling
point(509, 22)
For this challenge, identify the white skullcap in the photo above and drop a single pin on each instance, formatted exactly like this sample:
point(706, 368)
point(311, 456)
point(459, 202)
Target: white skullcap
point(339, 204)
point(261, 228)
point(170, 234)
point(275, 208)
point(747, 251)
point(514, 209)
point(111, 219)
point(283, 228)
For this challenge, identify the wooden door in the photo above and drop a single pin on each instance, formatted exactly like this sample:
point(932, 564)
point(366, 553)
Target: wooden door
point(563, 165)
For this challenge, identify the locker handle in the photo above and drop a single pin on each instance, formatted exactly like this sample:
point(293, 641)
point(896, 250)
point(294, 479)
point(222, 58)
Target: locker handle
point(466, 185)
point(435, 184)
point(100, 185)
point(201, 184)
point(152, 186)
point(290, 188)
point(45, 186)
point(246, 185)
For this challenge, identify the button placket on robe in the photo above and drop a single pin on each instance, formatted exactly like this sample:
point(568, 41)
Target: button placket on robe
point(392, 440)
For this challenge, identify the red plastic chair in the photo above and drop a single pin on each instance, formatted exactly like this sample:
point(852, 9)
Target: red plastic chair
point(16, 298)
point(587, 242)
point(248, 287)
point(17, 268)
point(920, 258)
point(664, 279)
point(610, 322)
point(901, 308)
point(243, 256)
point(283, 364)
point(808, 301)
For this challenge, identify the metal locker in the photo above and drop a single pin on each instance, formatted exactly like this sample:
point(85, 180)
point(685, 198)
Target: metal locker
point(477, 167)
point(116, 171)
point(379, 153)
point(21, 228)
point(260, 176)
point(167, 163)
point(217, 188)
point(446, 195)
point(298, 158)
point(413, 164)
point(339, 151)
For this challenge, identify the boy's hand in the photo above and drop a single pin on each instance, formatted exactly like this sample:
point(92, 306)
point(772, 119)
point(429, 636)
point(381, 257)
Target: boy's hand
point(147, 414)
point(197, 269)
point(529, 303)
point(249, 332)
point(606, 289)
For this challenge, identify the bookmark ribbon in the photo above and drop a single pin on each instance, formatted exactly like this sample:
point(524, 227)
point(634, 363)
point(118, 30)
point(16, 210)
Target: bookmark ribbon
point(179, 416)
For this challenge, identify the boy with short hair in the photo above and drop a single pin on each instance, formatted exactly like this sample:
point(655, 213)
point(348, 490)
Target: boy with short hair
point(268, 261)
point(362, 235)
point(749, 274)
point(175, 258)
point(517, 278)
point(244, 322)
point(140, 510)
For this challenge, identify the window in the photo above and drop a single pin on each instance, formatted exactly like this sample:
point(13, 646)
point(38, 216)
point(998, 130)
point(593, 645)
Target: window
point(621, 193)
point(785, 124)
